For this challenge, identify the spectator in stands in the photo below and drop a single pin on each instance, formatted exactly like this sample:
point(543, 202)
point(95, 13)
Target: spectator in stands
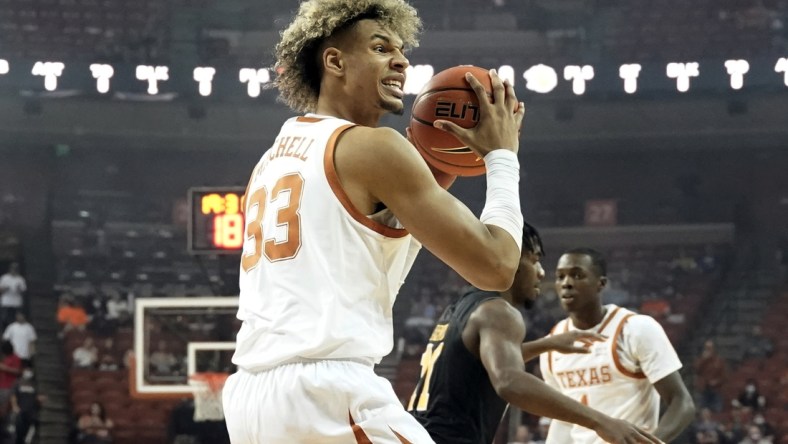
point(25, 403)
point(707, 430)
point(12, 288)
point(755, 436)
point(94, 426)
point(181, 428)
point(757, 345)
point(107, 346)
point(541, 431)
point(708, 261)
point(750, 397)
point(10, 369)
point(23, 337)
point(86, 355)
point(710, 370)
point(736, 427)
point(162, 361)
point(71, 316)
point(118, 313)
point(616, 294)
point(107, 355)
point(684, 264)
point(767, 431)
point(98, 316)
point(108, 363)
point(522, 436)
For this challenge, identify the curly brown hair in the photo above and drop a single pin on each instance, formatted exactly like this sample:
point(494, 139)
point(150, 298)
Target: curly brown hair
point(296, 53)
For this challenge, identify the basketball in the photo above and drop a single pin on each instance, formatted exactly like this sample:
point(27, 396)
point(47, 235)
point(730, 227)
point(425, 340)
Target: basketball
point(448, 96)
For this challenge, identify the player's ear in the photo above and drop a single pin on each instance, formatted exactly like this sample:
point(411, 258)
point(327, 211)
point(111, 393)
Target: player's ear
point(333, 62)
point(602, 283)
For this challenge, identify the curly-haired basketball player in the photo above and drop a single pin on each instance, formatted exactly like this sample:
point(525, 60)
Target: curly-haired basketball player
point(474, 365)
point(336, 211)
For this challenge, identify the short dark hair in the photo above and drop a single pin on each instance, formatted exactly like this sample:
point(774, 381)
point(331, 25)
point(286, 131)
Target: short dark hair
point(7, 348)
point(531, 240)
point(597, 260)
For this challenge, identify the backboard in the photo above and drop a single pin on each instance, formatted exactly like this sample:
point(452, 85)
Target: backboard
point(176, 337)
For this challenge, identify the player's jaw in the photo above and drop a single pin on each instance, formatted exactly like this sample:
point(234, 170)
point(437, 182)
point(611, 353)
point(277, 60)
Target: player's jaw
point(391, 93)
point(568, 299)
point(528, 281)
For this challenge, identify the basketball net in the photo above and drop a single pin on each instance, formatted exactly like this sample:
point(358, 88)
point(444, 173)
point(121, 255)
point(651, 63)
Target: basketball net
point(207, 389)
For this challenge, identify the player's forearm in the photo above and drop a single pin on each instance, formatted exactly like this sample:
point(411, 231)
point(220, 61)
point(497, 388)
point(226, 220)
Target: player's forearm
point(531, 394)
point(532, 349)
point(677, 417)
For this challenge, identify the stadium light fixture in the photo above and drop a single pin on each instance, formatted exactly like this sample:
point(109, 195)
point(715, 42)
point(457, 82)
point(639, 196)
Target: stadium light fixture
point(50, 71)
point(782, 66)
point(579, 75)
point(153, 75)
point(630, 73)
point(682, 73)
point(540, 78)
point(102, 73)
point(253, 79)
point(737, 69)
point(4, 66)
point(203, 75)
point(506, 73)
point(416, 76)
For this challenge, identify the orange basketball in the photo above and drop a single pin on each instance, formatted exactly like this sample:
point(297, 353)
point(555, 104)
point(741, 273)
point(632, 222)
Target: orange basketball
point(448, 96)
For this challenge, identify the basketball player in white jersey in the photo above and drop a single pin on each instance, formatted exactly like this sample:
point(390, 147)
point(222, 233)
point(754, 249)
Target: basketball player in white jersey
point(336, 211)
point(626, 374)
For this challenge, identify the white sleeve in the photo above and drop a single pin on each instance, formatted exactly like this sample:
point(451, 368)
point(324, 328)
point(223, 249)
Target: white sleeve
point(644, 347)
point(7, 333)
point(32, 333)
point(24, 284)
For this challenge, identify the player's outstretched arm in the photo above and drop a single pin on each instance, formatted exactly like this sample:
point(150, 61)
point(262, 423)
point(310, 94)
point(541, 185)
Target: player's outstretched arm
point(680, 409)
point(563, 343)
point(380, 165)
point(501, 330)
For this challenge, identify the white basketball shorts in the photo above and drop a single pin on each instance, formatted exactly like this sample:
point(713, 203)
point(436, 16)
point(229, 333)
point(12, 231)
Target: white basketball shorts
point(321, 402)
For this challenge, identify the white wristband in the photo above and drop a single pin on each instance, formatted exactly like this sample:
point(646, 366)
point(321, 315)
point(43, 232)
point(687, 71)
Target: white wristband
point(502, 205)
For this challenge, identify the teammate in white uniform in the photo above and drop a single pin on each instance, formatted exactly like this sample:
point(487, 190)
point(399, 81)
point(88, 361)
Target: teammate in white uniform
point(626, 374)
point(330, 209)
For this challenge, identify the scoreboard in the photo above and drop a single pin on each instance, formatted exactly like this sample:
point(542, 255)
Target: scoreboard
point(216, 220)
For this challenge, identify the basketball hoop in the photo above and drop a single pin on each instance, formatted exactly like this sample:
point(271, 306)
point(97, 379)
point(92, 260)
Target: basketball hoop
point(207, 389)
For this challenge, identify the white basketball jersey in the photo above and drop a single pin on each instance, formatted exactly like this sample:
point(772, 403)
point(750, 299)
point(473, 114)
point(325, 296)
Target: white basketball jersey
point(616, 378)
point(318, 278)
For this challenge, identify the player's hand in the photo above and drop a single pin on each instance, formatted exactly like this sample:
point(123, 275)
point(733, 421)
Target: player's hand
point(616, 431)
point(565, 342)
point(500, 118)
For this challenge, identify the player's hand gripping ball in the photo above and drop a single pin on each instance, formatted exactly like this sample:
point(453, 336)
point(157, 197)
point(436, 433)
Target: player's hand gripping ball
point(448, 96)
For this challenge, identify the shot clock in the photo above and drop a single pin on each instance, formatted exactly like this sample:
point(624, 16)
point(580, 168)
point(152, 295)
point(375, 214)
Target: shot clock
point(216, 220)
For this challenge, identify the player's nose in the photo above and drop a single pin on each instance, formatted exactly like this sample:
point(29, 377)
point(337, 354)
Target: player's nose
point(400, 62)
point(565, 282)
point(539, 271)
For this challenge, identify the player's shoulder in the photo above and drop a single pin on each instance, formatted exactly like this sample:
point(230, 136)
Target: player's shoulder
point(640, 324)
point(382, 155)
point(370, 138)
point(496, 313)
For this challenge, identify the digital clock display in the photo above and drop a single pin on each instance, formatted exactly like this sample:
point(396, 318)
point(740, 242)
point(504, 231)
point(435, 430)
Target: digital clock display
point(216, 222)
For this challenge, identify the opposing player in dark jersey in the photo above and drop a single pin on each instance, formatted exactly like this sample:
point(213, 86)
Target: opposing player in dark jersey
point(474, 365)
